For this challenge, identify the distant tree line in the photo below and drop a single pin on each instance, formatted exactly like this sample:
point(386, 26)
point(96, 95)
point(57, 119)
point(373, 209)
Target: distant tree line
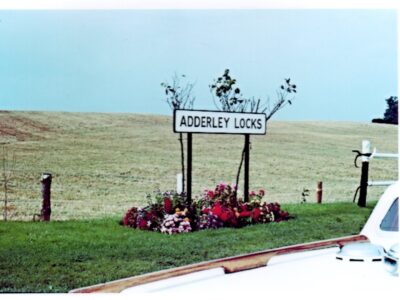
point(391, 114)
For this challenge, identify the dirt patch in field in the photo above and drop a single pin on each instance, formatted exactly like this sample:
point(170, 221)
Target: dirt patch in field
point(20, 128)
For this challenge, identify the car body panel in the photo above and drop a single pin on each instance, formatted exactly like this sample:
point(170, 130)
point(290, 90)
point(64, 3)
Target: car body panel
point(372, 228)
point(302, 270)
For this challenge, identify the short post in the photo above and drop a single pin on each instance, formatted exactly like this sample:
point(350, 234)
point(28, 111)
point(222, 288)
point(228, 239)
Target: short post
point(319, 192)
point(366, 149)
point(179, 187)
point(189, 169)
point(46, 195)
point(246, 167)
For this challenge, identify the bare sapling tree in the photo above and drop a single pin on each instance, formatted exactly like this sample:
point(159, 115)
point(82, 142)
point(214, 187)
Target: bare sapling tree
point(284, 96)
point(178, 95)
point(7, 177)
point(230, 99)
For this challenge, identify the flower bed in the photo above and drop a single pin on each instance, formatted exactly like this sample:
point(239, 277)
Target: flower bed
point(170, 213)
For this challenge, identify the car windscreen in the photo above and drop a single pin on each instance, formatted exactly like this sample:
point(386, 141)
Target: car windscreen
point(391, 220)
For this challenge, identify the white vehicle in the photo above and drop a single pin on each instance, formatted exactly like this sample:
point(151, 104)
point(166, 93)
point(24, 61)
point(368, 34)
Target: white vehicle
point(365, 263)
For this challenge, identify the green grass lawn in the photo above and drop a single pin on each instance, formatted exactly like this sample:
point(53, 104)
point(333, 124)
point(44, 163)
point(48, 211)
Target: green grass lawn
point(102, 164)
point(63, 255)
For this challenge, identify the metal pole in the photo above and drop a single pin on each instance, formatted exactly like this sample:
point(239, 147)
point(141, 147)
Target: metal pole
point(246, 166)
point(366, 149)
point(381, 182)
point(383, 155)
point(189, 169)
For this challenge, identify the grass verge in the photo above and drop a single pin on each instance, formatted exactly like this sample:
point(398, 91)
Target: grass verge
point(63, 255)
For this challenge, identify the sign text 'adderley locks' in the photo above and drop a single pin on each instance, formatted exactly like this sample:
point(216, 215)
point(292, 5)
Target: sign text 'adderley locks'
point(218, 122)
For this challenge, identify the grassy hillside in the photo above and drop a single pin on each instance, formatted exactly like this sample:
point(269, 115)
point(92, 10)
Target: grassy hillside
point(103, 164)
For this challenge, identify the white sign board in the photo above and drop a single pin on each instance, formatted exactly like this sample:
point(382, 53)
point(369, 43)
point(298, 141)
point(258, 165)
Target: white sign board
point(205, 121)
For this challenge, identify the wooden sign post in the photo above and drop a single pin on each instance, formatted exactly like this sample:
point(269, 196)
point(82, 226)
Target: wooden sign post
point(218, 122)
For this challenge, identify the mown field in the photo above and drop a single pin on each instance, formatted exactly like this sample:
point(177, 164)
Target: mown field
point(102, 164)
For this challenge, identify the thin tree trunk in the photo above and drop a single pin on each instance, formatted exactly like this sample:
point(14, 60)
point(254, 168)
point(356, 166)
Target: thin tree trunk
point(182, 161)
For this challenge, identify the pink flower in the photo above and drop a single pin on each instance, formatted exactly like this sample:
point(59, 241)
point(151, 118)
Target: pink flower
point(221, 186)
point(261, 192)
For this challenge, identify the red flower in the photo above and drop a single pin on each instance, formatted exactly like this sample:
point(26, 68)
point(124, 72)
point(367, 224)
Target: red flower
point(168, 205)
point(261, 192)
point(243, 207)
point(205, 211)
point(245, 214)
point(234, 222)
point(283, 215)
point(130, 217)
point(256, 214)
point(148, 215)
point(143, 224)
point(225, 216)
point(216, 210)
point(210, 194)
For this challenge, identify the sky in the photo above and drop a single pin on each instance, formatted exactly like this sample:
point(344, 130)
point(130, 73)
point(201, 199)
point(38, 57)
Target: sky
point(344, 62)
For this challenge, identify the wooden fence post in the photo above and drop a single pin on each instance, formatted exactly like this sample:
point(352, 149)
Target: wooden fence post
point(46, 195)
point(319, 192)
